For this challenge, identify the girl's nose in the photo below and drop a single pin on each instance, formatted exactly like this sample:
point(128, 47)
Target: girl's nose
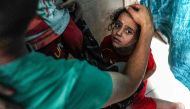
point(119, 32)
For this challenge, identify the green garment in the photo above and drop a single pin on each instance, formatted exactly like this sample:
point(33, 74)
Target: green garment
point(42, 82)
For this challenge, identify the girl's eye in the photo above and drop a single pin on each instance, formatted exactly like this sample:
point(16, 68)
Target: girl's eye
point(117, 25)
point(129, 31)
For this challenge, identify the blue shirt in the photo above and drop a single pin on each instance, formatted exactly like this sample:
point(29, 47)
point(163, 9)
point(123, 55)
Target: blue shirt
point(44, 83)
point(57, 19)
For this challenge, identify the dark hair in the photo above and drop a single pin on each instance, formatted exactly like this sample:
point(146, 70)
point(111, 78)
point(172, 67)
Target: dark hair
point(114, 17)
point(15, 16)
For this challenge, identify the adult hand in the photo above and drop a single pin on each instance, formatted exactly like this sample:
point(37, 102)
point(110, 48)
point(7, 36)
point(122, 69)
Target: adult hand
point(141, 16)
point(66, 4)
point(4, 102)
point(6, 91)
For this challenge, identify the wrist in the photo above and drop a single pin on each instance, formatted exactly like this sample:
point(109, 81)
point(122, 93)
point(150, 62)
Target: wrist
point(146, 37)
point(147, 30)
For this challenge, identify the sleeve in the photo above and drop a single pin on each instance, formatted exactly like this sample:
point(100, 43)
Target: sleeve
point(151, 62)
point(92, 90)
point(105, 42)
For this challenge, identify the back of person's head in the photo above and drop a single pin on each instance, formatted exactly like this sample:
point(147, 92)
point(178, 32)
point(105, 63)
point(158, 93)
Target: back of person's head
point(15, 16)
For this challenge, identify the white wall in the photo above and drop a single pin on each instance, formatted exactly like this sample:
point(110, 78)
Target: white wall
point(96, 14)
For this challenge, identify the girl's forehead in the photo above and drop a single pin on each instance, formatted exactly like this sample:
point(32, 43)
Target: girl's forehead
point(126, 19)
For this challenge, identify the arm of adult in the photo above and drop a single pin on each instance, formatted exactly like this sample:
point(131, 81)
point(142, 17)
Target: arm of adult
point(151, 67)
point(125, 85)
point(149, 73)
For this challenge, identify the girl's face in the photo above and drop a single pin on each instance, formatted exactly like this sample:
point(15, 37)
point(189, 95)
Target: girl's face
point(124, 30)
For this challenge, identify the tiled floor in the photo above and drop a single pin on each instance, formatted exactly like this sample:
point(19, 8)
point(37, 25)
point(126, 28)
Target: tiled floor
point(163, 84)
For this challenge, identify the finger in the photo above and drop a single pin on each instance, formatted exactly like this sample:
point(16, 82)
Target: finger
point(67, 4)
point(136, 2)
point(137, 6)
point(63, 5)
point(6, 91)
point(131, 11)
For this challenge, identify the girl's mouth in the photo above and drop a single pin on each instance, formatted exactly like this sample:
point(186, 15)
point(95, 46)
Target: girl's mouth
point(116, 40)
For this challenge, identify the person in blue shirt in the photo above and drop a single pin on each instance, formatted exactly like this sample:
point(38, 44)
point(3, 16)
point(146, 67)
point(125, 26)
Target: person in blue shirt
point(53, 32)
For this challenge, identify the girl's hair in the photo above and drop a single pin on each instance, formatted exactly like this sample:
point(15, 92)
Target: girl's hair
point(114, 17)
